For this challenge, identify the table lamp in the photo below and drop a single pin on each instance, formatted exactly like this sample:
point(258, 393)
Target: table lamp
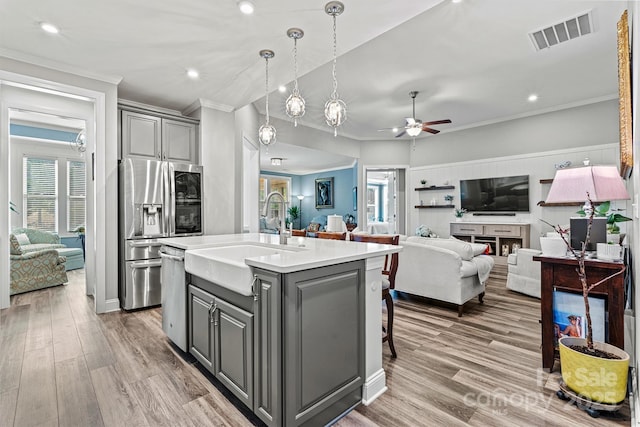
point(588, 184)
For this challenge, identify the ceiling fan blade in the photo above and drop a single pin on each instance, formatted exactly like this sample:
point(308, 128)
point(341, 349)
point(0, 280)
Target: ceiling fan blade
point(437, 122)
point(386, 129)
point(401, 133)
point(433, 131)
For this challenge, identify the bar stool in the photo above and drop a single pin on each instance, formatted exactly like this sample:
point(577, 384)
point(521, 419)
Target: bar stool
point(388, 280)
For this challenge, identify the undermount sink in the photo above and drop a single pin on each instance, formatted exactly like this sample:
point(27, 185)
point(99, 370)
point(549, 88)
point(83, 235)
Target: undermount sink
point(225, 266)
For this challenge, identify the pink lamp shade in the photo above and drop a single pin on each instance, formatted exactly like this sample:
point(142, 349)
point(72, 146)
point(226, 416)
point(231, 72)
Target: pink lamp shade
point(603, 183)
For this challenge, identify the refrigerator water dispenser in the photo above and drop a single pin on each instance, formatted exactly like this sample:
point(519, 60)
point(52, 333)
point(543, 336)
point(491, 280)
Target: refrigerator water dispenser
point(152, 220)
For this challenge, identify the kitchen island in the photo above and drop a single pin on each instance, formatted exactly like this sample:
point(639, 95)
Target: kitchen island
point(301, 343)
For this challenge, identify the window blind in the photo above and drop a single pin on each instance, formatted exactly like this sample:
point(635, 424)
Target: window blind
point(76, 195)
point(40, 178)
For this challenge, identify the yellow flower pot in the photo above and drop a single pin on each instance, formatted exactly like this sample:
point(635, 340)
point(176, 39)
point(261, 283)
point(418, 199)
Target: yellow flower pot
point(597, 379)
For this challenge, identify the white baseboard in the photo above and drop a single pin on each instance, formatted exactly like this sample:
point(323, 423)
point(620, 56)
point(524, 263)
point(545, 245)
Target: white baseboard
point(373, 387)
point(112, 305)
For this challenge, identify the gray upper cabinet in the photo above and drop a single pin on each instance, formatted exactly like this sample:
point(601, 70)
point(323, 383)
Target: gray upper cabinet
point(158, 138)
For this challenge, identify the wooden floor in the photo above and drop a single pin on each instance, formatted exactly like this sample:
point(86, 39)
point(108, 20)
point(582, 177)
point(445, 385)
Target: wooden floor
point(61, 364)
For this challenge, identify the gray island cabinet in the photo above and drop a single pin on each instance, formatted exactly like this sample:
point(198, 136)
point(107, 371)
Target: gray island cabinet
point(293, 352)
point(297, 336)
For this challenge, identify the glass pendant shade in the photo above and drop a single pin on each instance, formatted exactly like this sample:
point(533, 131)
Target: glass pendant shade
point(335, 109)
point(295, 107)
point(267, 134)
point(335, 113)
point(295, 104)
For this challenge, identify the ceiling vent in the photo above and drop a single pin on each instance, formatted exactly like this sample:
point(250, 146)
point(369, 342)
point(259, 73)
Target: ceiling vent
point(568, 30)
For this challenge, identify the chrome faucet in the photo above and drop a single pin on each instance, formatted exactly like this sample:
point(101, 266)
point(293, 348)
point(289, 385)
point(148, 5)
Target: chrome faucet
point(283, 223)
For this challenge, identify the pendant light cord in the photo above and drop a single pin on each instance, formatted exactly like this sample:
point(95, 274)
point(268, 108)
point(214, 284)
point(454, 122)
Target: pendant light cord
point(295, 66)
point(266, 88)
point(335, 60)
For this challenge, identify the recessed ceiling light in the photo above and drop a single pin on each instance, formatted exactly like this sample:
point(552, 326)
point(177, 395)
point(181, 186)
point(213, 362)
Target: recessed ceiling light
point(193, 73)
point(533, 97)
point(246, 7)
point(456, 1)
point(49, 28)
point(282, 88)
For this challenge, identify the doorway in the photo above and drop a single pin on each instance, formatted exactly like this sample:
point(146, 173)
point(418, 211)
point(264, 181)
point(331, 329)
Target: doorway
point(48, 171)
point(385, 201)
point(23, 97)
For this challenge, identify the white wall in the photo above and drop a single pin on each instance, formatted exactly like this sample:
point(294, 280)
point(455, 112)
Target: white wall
point(218, 158)
point(592, 124)
point(538, 166)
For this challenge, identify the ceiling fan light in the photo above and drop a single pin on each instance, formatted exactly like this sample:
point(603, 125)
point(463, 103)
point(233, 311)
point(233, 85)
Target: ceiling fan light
point(414, 131)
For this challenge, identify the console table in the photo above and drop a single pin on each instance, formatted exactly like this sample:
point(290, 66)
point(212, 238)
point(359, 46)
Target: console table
point(494, 234)
point(560, 274)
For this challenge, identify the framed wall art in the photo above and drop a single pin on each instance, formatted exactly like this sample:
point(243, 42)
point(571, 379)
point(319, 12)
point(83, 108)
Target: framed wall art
point(324, 193)
point(624, 92)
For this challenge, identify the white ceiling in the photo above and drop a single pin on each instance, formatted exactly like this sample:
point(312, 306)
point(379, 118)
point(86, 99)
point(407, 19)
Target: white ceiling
point(473, 61)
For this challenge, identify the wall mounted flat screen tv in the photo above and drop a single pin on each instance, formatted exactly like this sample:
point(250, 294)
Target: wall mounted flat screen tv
point(503, 194)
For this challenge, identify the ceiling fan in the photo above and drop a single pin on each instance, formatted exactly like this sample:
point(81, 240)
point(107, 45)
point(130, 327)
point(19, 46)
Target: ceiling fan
point(413, 127)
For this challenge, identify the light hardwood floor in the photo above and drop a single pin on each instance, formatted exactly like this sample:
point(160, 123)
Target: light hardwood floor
point(61, 364)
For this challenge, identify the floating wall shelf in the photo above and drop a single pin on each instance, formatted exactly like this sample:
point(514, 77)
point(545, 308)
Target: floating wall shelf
point(434, 187)
point(435, 206)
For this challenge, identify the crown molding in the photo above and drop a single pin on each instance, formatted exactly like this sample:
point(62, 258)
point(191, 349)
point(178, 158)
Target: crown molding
point(59, 66)
point(201, 102)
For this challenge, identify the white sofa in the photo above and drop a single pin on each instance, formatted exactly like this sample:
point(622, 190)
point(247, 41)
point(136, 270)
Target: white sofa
point(447, 270)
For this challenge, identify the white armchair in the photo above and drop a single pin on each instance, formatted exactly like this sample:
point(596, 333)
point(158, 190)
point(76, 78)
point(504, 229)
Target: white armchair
point(524, 272)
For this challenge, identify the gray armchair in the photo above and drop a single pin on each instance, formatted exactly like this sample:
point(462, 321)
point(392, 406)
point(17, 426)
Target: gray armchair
point(35, 265)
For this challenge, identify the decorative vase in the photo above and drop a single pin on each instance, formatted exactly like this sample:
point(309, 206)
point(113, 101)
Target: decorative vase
point(598, 379)
point(458, 219)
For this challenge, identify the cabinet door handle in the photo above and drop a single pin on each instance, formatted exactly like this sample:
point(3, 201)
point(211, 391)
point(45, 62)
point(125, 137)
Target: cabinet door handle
point(212, 314)
point(159, 155)
point(254, 291)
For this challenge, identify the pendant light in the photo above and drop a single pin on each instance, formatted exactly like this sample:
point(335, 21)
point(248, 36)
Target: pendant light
point(335, 110)
point(295, 105)
point(267, 133)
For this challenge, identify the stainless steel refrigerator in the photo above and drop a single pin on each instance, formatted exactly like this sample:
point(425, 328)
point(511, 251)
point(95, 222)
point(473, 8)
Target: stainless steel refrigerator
point(157, 200)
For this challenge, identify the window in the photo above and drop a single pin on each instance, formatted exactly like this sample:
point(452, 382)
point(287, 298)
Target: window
point(54, 194)
point(40, 177)
point(270, 183)
point(76, 194)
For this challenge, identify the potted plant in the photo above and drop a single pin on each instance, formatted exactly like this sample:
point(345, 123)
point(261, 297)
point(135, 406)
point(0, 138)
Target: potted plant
point(80, 231)
point(423, 182)
point(294, 213)
point(459, 213)
point(13, 207)
point(596, 371)
point(448, 198)
point(613, 218)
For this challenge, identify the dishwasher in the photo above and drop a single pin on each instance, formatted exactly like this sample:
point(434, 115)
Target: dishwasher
point(174, 295)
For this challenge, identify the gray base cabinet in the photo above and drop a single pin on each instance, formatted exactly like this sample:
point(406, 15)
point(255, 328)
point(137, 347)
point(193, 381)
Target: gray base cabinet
point(221, 338)
point(294, 355)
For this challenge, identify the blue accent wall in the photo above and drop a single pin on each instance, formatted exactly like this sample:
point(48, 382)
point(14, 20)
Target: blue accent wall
point(42, 133)
point(343, 182)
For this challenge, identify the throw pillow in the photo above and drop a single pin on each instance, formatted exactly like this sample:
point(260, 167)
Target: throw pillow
point(14, 246)
point(458, 246)
point(314, 227)
point(478, 248)
point(23, 239)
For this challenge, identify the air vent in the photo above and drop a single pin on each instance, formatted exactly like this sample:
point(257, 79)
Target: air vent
point(562, 32)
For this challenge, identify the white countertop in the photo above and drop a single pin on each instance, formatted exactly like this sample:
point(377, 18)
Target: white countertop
point(303, 252)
